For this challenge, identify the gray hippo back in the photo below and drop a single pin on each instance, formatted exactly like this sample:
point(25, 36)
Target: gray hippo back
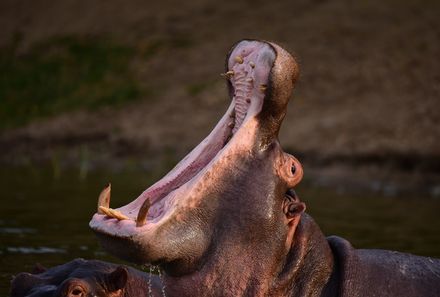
point(365, 272)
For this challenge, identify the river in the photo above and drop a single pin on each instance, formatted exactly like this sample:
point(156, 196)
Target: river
point(45, 212)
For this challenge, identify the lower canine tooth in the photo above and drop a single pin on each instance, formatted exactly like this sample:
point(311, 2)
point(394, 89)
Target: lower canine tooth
point(104, 198)
point(142, 215)
point(113, 213)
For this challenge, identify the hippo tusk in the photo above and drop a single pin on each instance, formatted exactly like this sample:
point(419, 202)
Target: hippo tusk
point(104, 205)
point(113, 213)
point(142, 214)
point(104, 198)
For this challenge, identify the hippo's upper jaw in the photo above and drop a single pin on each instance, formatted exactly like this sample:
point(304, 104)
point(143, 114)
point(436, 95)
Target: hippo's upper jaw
point(178, 216)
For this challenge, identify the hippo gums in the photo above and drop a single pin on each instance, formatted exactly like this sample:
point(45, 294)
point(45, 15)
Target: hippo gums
point(226, 221)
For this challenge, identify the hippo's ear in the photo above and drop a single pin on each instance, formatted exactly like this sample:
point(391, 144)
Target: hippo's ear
point(117, 279)
point(38, 268)
point(23, 283)
point(292, 206)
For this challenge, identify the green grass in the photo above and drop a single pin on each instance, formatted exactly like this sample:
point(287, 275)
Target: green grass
point(63, 74)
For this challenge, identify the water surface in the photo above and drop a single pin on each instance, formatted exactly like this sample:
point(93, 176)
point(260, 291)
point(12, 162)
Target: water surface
point(44, 217)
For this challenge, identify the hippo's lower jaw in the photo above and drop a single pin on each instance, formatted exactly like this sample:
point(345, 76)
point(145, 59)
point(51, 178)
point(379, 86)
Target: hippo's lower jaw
point(160, 218)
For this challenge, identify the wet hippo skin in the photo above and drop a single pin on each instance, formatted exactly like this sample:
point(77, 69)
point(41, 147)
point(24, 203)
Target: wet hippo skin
point(81, 278)
point(226, 220)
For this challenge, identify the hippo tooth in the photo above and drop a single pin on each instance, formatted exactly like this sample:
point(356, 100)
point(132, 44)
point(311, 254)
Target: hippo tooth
point(113, 213)
point(228, 74)
point(239, 59)
point(104, 210)
point(263, 88)
point(142, 215)
point(252, 64)
point(104, 198)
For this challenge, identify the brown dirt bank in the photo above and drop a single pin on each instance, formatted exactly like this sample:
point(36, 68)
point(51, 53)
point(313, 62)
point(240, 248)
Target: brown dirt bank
point(367, 103)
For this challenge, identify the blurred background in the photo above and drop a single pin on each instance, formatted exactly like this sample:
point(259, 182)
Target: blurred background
point(98, 91)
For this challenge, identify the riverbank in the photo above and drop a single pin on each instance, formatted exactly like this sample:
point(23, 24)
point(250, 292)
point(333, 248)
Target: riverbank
point(88, 85)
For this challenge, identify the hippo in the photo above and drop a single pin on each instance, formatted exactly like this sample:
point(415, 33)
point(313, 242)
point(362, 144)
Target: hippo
point(226, 220)
point(83, 278)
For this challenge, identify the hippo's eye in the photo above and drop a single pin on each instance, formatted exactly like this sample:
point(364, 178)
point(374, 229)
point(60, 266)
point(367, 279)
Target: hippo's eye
point(293, 169)
point(77, 291)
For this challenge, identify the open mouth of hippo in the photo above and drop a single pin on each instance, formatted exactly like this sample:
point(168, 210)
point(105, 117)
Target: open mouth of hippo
point(248, 71)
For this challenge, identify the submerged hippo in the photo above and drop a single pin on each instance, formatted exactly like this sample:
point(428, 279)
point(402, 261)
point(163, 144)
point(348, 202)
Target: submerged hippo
point(226, 220)
point(82, 278)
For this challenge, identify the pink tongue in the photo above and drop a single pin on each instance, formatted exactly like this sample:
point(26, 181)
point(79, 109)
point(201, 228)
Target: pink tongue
point(185, 170)
point(181, 174)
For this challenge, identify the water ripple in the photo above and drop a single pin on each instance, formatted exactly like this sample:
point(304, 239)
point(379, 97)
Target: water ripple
point(11, 230)
point(32, 250)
